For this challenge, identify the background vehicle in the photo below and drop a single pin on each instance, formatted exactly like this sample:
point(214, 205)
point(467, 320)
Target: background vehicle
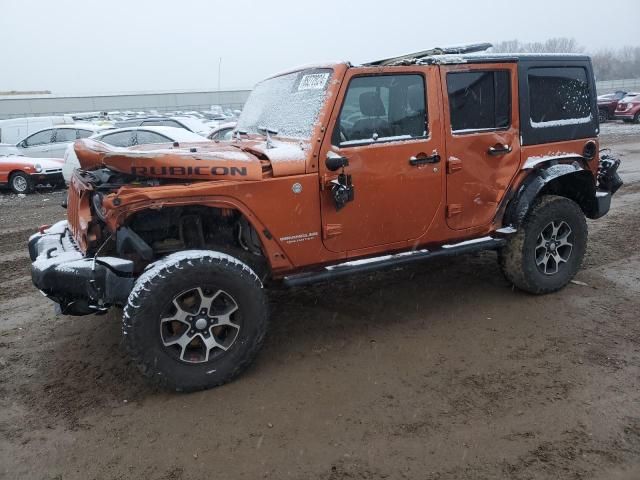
point(340, 169)
point(188, 123)
point(15, 129)
point(129, 137)
point(607, 105)
point(22, 174)
point(52, 142)
point(223, 132)
point(629, 108)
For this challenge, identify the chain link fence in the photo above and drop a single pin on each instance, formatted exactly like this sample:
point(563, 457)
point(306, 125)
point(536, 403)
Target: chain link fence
point(610, 86)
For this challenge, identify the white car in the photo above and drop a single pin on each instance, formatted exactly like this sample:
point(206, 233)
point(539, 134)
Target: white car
point(51, 142)
point(128, 137)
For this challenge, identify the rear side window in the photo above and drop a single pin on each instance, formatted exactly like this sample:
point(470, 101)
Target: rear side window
point(559, 96)
point(479, 100)
point(120, 139)
point(65, 135)
point(145, 137)
point(84, 133)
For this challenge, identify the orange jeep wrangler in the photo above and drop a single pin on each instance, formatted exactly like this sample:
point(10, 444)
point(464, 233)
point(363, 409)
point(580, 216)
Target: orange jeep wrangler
point(333, 170)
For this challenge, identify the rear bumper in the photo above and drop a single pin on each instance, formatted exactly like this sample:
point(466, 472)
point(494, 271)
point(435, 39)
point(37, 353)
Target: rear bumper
point(80, 285)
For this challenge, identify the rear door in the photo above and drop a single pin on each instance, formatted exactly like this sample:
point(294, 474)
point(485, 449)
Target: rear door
point(482, 139)
point(383, 124)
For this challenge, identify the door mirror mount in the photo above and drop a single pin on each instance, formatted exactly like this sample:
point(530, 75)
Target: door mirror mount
point(335, 162)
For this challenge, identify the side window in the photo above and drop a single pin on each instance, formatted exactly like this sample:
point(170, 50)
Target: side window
point(152, 123)
point(558, 96)
point(39, 138)
point(171, 123)
point(65, 135)
point(84, 133)
point(382, 107)
point(119, 139)
point(479, 100)
point(145, 137)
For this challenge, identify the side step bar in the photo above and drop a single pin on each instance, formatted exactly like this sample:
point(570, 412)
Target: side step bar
point(389, 261)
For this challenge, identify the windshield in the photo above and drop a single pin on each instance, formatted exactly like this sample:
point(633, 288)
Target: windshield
point(289, 104)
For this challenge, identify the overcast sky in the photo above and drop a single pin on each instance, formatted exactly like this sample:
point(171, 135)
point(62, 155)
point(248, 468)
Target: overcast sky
point(87, 46)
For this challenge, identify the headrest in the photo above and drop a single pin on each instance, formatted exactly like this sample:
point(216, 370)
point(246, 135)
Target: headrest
point(415, 96)
point(371, 105)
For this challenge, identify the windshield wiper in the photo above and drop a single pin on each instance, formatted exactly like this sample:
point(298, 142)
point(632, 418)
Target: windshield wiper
point(267, 133)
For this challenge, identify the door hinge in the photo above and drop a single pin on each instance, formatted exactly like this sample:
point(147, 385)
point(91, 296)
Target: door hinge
point(331, 230)
point(454, 209)
point(454, 164)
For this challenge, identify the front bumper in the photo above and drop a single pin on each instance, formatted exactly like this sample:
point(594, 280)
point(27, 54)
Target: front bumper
point(80, 285)
point(43, 178)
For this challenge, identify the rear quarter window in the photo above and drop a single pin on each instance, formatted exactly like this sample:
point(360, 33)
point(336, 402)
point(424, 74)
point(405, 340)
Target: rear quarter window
point(559, 96)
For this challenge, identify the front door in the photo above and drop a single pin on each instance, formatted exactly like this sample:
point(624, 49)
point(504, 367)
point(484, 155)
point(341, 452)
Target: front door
point(381, 125)
point(482, 140)
point(38, 144)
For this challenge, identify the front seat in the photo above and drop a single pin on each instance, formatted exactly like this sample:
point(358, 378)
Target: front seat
point(371, 106)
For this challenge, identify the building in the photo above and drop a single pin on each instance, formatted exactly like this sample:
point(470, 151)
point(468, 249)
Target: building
point(12, 106)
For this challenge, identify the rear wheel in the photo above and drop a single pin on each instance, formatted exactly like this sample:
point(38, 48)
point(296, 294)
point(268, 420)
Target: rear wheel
point(20, 182)
point(195, 320)
point(603, 116)
point(547, 251)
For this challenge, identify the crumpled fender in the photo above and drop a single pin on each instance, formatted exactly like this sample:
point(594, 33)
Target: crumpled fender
point(581, 179)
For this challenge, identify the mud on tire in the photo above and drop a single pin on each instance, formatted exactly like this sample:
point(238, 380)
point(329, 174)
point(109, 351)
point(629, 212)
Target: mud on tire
point(547, 251)
point(195, 320)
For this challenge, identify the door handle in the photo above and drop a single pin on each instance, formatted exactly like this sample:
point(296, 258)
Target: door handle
point(498, 149)
point(422, 159)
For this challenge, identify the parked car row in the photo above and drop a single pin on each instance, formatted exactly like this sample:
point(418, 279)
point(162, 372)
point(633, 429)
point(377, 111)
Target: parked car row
point(129, 137)
point(620, 105)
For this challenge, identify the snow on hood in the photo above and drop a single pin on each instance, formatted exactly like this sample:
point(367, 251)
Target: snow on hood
point(286, 157)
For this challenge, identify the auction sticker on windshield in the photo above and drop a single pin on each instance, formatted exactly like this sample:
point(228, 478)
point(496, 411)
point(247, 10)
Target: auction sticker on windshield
point(313, 81)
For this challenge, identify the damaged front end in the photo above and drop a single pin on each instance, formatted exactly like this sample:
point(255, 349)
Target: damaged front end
point(80, 285)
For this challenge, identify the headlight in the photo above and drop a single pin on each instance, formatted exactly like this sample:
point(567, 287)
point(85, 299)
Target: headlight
point(629, 106)
point(97, 206)
point(37, 167)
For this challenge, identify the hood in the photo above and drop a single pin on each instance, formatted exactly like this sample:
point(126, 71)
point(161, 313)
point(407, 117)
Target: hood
point(240, 160)
point(192, 161)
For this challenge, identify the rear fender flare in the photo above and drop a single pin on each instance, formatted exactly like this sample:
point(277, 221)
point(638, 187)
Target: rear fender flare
point(566, 179)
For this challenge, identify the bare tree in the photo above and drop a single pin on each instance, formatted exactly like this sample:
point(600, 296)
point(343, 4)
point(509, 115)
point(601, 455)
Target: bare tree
point(608, 64)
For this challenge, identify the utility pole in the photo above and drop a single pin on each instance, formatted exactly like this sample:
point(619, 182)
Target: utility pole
point(219, 72)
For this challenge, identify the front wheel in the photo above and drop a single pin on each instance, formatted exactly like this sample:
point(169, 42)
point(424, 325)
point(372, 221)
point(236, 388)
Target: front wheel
point(547, 251)
point(195, 320)
point(21, 183)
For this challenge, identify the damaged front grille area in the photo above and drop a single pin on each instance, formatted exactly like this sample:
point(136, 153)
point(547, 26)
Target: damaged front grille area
point(79, 213)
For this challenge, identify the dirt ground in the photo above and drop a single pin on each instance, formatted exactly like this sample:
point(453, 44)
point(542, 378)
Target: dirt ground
point(438, 371)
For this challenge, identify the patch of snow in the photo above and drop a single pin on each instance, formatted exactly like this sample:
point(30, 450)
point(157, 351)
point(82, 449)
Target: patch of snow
point(172, 260)
point(377, 140)
point(536, 160)
point(382, 258)
point(467, 242)
point(561, 123)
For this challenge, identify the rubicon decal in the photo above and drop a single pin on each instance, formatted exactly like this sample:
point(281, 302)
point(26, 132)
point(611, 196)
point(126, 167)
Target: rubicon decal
point(188, 171)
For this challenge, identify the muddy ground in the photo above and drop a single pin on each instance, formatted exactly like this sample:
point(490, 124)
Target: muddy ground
point(438, 371)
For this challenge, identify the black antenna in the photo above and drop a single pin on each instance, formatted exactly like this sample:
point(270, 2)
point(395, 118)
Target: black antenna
point(412, 58)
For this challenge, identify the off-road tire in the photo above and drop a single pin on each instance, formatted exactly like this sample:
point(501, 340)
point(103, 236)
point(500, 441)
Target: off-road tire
point(518, 259)
point(154, 292)
point(20, 182)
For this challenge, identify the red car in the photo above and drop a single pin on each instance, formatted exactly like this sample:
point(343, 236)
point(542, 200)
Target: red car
point(22, 174)
point(607, 105)
point(629, 108)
